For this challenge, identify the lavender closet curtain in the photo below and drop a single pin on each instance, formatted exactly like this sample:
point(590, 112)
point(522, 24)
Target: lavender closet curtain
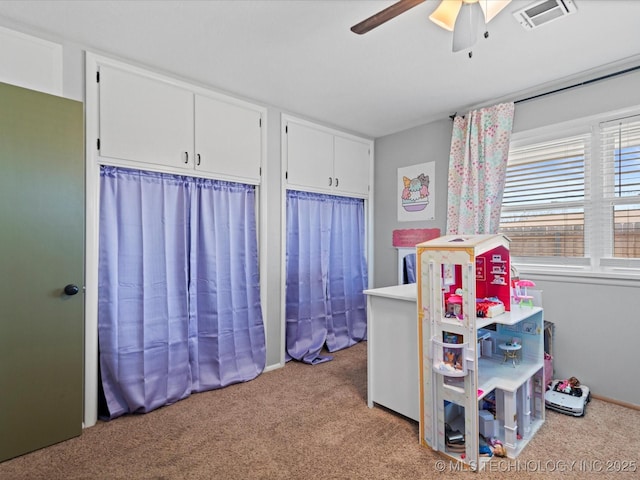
point(326, 274)
point(347, 319)
point(226, 337)
point(477, 168)
point(155, 318)
point(143, 281)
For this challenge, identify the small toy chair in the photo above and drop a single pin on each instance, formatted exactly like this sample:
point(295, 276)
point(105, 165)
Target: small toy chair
point(521, 294)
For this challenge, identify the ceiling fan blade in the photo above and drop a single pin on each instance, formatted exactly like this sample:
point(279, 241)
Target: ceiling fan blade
point(492, 8)
point(384, 16)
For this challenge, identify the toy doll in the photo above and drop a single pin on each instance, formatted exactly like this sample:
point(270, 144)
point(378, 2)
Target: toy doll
point(570, 386)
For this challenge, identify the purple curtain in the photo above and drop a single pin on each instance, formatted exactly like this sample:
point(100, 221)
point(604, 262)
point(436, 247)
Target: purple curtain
point(347, 319)
point(153, 308)
point(226, 338)
point(326, 274)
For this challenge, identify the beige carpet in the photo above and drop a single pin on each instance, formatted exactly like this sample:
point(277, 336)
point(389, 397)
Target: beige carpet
point(312, 422)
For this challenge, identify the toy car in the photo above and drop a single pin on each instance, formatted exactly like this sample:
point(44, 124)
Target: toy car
point(570, 401)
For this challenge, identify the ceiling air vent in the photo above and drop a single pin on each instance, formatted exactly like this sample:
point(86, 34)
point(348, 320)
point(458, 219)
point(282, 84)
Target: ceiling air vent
point(544, 11)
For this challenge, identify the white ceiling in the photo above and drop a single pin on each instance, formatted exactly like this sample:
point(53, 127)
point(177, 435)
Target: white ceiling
point(301, 57)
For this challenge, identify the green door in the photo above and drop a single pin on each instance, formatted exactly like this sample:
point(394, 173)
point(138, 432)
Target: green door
point(41, 252)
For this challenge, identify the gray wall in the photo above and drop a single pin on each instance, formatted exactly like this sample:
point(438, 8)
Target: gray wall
point(596, 331)
point(596, 327)
point(423, 144)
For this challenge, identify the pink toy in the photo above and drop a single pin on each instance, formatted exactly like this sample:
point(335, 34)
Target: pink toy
point(521, 296)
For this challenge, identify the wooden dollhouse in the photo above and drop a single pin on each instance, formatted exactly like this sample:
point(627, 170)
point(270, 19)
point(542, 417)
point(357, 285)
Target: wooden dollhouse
point(467, 388)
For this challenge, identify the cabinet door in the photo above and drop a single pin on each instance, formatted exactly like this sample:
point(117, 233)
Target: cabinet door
point(309, 157)
point(351, 166)
point(145, 120)
point(228, 139)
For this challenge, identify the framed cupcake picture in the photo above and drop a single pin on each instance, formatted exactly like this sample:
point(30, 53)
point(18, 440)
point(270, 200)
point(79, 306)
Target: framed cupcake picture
point(416, 192)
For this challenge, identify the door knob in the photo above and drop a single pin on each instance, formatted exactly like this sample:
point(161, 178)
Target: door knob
point(71, 289)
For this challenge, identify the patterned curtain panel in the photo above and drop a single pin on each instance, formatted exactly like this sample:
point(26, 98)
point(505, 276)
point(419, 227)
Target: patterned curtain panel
point(477, 168)
point(326, 274)
point(178, 306)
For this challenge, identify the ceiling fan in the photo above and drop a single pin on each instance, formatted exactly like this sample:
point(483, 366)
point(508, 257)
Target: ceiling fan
point(464, 18)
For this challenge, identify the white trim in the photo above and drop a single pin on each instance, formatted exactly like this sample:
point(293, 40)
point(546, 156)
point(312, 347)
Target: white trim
point(564, 276)
point(92, 235)
point(33, 50)
point(283, 238)
point(263, 221)
point(368, 205)
point(271, 368)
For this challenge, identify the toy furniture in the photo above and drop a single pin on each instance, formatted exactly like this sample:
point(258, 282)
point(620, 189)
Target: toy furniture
point(521, 295)
point(456, 380)
point(510, 352)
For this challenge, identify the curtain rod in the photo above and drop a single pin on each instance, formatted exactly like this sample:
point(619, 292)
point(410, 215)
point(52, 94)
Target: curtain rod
point(586, 82)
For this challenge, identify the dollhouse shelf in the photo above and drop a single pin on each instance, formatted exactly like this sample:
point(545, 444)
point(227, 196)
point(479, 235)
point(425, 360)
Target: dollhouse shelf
point(513, 317)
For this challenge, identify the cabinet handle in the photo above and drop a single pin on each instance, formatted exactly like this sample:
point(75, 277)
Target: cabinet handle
point(198, 162)
point(329, 181)
point(336, 181)
point(186, 157)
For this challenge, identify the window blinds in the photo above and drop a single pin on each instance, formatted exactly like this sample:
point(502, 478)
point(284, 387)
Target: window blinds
point(543, 209)
point(620, 174)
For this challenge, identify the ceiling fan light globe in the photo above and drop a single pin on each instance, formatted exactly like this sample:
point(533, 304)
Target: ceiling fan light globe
point(445, 15)
point(469, 23)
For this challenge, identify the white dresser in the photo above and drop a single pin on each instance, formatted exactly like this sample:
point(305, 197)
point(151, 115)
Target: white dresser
point(392, 349)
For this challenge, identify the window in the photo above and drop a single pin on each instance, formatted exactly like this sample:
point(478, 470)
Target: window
point(574, 201)
point(543, 205)
point(620, 152)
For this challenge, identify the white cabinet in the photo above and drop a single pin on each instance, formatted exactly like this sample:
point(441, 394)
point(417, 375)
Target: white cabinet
point(309, 156)
point(228, 138)
point(148, 120)
point(145, 120)
point(326, 161)
point(351, 165)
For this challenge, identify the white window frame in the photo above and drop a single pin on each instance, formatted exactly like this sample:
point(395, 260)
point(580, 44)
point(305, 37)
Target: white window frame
point(606, 211)
point(597, 263)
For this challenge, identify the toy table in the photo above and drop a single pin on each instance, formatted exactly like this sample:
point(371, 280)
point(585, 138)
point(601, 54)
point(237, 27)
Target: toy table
point(510, 352)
